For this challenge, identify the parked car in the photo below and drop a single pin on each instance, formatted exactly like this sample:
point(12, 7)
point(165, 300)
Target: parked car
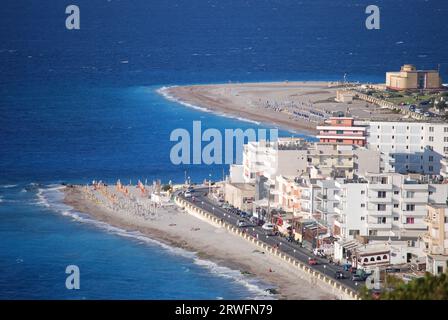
point(339, 275)
point(268, 226)
point(357, 277)
point(346, 267)
point(242, 224)
point(312, 262)
point(427, 114)
point(187, 194)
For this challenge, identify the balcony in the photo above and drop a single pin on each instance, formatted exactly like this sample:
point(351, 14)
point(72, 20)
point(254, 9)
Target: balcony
point(374, 199)
point(387, 225)
point(321, 196)
point(414, 186)
point(339, 209)
point(380, 187)
point(305, 197)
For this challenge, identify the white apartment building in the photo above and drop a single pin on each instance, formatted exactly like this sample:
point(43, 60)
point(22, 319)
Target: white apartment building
point(406, 146)
point(389, 204)
point(270, 159)
point(296, 157)
point(436, 238)
point(326, 201)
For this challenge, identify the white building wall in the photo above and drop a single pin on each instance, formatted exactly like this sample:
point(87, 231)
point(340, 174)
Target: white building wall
point(409, 146)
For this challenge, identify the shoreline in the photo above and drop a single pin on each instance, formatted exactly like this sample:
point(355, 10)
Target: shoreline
point(182, 230)
point(197, 97)
point(298, 106)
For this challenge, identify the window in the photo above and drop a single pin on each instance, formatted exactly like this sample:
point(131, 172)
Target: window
point(410, 194)
point(431, 139)
point(396, 218)
point(396, 192)
point(410, 220)
point(431, 168)
point(385, 257)
point(363, 205)
point(445, 129)
point(366, 260)
point(378, 258)
point(372, 259)
point(431, 129)
point(381, 207)
point(410, 207)
point(445, 139)
point(363, 192)
point(381, 220)
point(395, 205)
point(363, 218)
point(381, 194)
point(431, 158)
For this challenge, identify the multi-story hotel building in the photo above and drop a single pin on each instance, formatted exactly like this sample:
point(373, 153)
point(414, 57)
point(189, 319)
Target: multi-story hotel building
point(296, 157)
point(386, 204)
point(342, 130)
point(436, 238)
point(420, 147)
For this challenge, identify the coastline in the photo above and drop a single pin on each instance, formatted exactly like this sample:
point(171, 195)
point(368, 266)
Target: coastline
point(243, 101)
point(176, 228)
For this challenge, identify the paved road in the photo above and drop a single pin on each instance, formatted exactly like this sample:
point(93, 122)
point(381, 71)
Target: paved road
point(201, 200)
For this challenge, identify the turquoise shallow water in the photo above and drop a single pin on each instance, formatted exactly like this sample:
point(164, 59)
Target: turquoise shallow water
point(72, 111)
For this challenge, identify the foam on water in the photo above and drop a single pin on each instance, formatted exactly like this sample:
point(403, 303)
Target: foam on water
point(164, 92)
point(52, 197)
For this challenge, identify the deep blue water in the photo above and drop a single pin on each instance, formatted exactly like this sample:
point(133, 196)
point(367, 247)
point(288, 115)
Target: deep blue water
point(73, 110)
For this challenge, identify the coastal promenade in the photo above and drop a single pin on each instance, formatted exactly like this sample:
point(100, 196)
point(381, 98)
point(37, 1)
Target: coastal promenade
point(322, 274)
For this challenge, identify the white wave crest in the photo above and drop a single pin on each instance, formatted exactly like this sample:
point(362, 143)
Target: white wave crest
point(52, 198)
point(164, 92)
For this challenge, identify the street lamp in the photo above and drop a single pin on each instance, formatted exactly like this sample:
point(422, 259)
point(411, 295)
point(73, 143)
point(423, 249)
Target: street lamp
point(209, 183)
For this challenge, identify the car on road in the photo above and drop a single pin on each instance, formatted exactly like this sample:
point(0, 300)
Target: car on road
point(312, 262)
point(187, 194)
point(225, 206)
point(357, 277)
point(243, 224)
point(339, 275)
point(427, 114)
point(268, 227)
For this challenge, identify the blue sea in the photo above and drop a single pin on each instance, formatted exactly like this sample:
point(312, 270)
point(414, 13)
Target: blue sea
point(82, 105)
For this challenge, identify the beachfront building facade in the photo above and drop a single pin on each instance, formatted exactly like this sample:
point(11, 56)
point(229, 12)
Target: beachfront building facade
point(296, 195)
point(417, 147)
point(296, 157)
point(436, 238)
point(269, 159)
point(240, 195)
point(342, 130)
point(326, 200)
point(409, 78)
point(386, 204)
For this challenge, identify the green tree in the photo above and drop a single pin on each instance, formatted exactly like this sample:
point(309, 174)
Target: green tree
point(429, 287)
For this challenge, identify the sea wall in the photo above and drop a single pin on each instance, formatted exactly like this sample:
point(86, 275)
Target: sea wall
point(315, 277)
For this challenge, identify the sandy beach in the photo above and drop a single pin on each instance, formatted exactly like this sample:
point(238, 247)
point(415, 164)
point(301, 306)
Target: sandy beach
point(297, 106)
point(173, 226)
